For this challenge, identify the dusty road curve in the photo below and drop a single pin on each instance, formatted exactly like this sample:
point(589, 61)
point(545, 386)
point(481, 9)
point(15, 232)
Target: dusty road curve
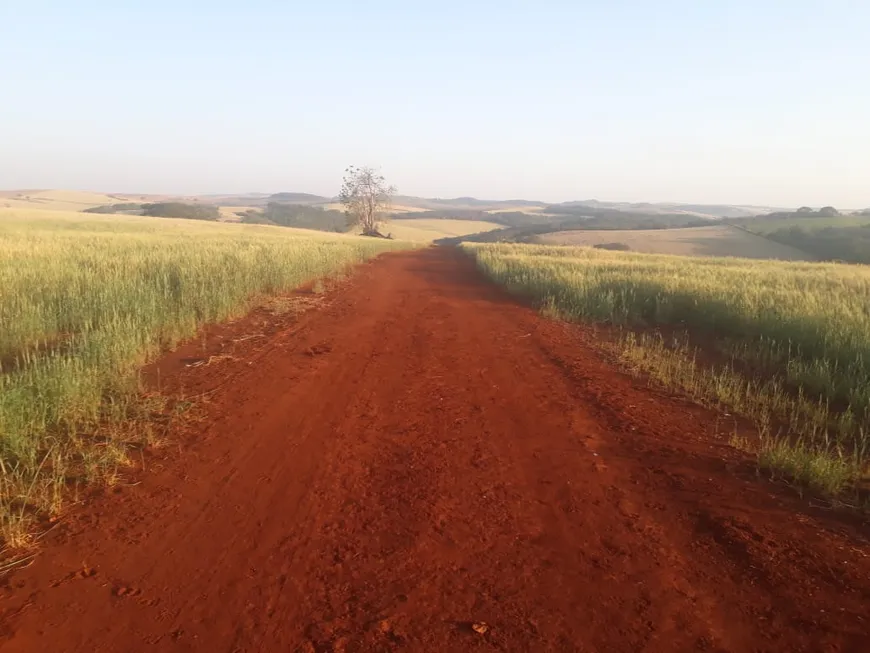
point(419, 455)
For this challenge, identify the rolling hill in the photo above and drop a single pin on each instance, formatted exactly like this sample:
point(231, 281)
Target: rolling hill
point(788, 234)
point(717, 240)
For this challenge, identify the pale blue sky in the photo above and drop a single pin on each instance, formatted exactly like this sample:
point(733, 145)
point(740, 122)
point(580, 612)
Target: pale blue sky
point(739, 101)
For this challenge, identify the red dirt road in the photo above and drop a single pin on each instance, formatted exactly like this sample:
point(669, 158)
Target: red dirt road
point(420, 455)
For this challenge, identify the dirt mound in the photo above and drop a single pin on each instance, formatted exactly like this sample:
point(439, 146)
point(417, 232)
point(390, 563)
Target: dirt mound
point(417, 463)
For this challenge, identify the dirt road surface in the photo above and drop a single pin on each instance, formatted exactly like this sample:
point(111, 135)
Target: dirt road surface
point(421, 464)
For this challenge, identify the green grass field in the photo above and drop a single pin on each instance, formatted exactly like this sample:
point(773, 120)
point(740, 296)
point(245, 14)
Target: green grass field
point(86, 300)
point(793, 338)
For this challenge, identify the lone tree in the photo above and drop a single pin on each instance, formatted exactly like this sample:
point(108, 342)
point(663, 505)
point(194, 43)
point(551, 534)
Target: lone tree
point(365, 195)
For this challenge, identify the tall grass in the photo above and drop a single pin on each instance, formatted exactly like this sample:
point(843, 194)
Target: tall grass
point(85, 301)
point(802, 327)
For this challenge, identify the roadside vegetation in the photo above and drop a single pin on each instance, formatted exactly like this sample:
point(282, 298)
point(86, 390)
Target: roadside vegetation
point(785, 344)
point(86, 300)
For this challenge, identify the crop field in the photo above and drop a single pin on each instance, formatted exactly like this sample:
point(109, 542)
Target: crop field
point(57, 200)
point(766, 226)
point(692, 241)
point(426, 230)
point(86, 300)
point(792, 340)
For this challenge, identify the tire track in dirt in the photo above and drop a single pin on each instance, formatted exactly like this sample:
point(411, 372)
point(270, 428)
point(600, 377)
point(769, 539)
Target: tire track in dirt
point(421, 455)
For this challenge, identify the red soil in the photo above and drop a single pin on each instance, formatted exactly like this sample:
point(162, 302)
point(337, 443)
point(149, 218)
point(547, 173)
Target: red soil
point(420, 464)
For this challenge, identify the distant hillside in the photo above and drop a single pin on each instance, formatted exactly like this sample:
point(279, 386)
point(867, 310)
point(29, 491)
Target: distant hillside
point(420, 230)
point(299, 198)
point(715, 240)
point(505, 218)
point(57, 200)
point(523, 217)
point(302, 216)
point(401, 203)
point(184, 210)
point(262, 199)
point(586, 219)
point(825, 233)
point(466, 203)
point(451, 208)
point(699, 210)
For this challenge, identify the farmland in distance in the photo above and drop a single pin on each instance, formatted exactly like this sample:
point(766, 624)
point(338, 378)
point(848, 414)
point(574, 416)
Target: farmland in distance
point(718, 240)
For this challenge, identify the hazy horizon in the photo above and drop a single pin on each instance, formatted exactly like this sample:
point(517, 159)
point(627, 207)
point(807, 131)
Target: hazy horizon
point(137, 193)
point(555, 101)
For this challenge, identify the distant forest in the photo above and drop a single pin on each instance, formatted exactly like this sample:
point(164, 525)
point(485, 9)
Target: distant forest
point(116, 208)
point(301, 216)
point(181, 210)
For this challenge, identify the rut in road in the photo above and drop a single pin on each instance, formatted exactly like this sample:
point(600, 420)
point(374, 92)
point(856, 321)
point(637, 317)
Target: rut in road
point(420, 456)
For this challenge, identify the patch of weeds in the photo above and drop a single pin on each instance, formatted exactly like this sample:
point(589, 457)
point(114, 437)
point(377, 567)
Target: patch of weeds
point(819, 470)
point(742, 442)
point(798, 439)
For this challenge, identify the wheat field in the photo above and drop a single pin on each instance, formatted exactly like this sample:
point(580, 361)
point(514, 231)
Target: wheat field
point(801, 331)
point(424, 230)
point(86, 300)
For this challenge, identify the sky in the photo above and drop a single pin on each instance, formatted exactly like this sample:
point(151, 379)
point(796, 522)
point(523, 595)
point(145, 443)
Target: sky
point(761, 102)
